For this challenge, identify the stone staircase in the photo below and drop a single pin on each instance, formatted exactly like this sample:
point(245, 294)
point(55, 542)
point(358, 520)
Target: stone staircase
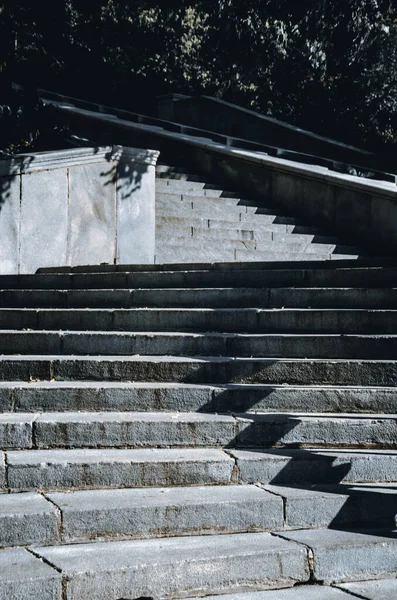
point(198, 221)
point(185, 430)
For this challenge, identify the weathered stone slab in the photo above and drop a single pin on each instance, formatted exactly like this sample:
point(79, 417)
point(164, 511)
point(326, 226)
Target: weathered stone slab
point(379, 589)
point(177, 566)
point(44, 220)
point(167, 511)
point(27, 518)
point(341, 556)
point(24, 577)
point(65, 469)
point(92, 213)
point(121, 429)
point(286, 467)
point(2, 471)
point(16, 430)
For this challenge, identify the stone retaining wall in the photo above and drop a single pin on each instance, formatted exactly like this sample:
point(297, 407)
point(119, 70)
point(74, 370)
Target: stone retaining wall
point(78, 206)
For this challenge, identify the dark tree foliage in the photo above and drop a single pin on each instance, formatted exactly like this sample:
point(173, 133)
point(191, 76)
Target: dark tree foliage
point(327, 65)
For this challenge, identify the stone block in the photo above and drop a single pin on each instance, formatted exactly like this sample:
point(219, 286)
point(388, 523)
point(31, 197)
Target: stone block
point(16, 430)
point(302, 592)
point(10, 199)
point(92, 213)
point(126, 429)
point(44, 220)
point(23, 576)
point(195, 565)
point(66, 469)
point(341, 556)
point(27, 518)
point(167, 511)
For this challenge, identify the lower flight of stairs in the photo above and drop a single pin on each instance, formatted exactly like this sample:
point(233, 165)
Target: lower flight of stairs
point(176, 431)
point(198, 221)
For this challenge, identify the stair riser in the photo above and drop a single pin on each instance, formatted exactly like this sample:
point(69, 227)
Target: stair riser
point(76, 396)
point(127, 344)
point(260, 371)
point(47, 470)
point(118, 431)
point(255, 321)
point(173, 223)
point(205, 298)
point(296, 467)
point(359, 277)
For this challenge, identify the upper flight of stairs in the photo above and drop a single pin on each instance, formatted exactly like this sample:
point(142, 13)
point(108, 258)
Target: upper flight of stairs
point(199, 221)
point(179, 431)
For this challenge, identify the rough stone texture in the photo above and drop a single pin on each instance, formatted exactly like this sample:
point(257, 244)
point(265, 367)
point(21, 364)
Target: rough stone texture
point(44, 209)
point(177, 566)
point(64, 396)
point(65, 469)
point(10, 195)
point(319, 430)
point(16, 431)
point(167, 511)
point(27, 518)
point(286, 467)
point(24, 577)
point(304, 592)
point(335, 505)
point(92, 213)
point(380, 589)
point(349, 555)
point(92, 430)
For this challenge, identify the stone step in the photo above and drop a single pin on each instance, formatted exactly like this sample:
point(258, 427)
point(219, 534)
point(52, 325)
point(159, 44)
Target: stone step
point(290, 467)
point(378, 346)
point(176, 429)
point(193, 370)
point(341, 556)
point(108, 396)
point(99, 515)
point(237, 297)
point(203, 319)
point(256, 222)
point(202, 188)
point(190, 253)
point(218, 275)
point(242, 234)
point(287, 243)
point(115, 468)
point(177, 566)
point(165, 172)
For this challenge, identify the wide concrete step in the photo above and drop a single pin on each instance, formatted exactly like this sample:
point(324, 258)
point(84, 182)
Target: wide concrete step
point(25, 470)
point(289, 467)
point(379, 346)
point(99, 515)
point(110, 396)
point(204, 319)
point(172, 569)
point(193, 370)
point(218, 275)
point(212, 297)
point(176, 429)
